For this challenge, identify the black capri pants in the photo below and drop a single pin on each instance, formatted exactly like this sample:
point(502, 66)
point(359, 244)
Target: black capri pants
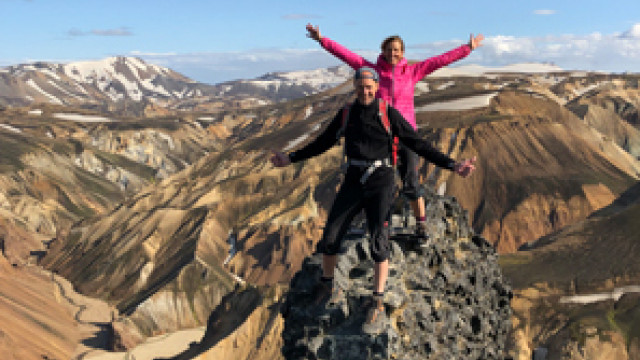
point(375, 196)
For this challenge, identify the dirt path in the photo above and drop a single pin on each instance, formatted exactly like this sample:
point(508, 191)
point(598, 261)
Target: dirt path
point(94, 317)
point(162, 346)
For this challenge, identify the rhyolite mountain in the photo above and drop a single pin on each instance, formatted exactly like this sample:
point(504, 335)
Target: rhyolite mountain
point(209, 228)
point(129, 85)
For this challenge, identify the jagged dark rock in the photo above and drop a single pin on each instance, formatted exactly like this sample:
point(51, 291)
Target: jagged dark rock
point(445, 298)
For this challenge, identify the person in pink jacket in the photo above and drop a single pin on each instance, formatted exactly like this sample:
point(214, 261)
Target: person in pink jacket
point(397, 82)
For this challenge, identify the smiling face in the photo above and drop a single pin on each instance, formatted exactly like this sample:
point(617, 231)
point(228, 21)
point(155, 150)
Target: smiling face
point(365, 90)
point(393, 52)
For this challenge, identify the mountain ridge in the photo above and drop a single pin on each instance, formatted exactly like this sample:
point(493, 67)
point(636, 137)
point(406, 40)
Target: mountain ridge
point(210, 213)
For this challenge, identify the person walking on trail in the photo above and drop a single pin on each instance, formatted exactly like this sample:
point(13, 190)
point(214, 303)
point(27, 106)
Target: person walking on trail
point(397, 83)
point(368, 183)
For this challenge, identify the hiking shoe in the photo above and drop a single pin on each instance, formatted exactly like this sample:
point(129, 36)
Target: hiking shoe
point(376, 316)
point(327, 294)
point(421, 229)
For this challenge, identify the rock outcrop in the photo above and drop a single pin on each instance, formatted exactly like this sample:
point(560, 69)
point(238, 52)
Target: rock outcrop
point(445, 298)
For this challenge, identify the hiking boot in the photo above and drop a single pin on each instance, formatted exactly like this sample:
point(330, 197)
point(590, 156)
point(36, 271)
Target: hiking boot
point(327, 294)
point(421, 229)
point(376, 316)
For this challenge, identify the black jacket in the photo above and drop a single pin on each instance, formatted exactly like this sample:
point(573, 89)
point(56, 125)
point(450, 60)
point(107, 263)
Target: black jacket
point(367, 139)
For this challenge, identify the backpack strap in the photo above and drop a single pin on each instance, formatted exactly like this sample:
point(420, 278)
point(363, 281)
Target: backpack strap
point(345, 117)
point(383, 112)
point(343, 127)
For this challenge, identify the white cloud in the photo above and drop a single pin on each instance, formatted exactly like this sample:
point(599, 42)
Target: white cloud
point(223, 66)
point(544, 12)
point(596, 51)
point(300, 16)
point(122, 31)
point(607, 52)
point(75, 32)
point(633, 33)
point(144, 53)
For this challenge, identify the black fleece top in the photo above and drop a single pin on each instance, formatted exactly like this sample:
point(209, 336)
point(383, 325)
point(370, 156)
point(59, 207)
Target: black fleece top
point(367, 139)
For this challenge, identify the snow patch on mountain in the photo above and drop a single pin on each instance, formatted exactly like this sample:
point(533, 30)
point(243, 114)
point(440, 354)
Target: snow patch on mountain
point(586, 89)
point(615, 295)
point(467, 103)
point(80, 117)
point(132, 74)
point(295, 142)
point(318, 79)
point(446, 85)
point(52, 99)
point(421, 88)
point(10, 128)
point(308, 112)
point(478, 70)
point(55, 85)
point(50, 73)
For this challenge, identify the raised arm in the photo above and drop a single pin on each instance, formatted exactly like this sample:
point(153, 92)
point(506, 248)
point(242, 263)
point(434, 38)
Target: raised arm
point(347, 56)
point(432, 64)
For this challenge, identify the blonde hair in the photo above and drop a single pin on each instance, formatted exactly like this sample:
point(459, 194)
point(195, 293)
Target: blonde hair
point(390, 39)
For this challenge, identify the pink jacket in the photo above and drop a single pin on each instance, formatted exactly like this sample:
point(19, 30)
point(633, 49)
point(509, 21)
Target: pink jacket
point(397, 82)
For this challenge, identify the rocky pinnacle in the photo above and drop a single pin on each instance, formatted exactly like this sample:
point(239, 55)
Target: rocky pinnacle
point(445, 298)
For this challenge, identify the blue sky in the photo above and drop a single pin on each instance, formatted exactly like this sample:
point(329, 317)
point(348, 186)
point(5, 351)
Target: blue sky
point(215, 41)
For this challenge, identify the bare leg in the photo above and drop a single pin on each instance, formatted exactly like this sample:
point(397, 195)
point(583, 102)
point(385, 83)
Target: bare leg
point(328, 265)
point(381, 271)
point(418, 207)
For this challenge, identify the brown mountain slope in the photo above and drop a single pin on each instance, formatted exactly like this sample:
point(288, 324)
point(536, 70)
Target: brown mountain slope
point(589, 259)
point(164, 241)
point(33, 324)
point(614, 112)
point(159, 256)
point(540, 167)
point(590, 255)
point(163, 255)
point(39, 190)
point(55, 172)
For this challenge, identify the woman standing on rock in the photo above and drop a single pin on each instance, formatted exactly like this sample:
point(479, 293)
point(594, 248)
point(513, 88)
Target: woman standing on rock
point(397, 83)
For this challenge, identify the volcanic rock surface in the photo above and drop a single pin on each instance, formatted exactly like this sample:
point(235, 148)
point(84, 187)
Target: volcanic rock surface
point(445, 299)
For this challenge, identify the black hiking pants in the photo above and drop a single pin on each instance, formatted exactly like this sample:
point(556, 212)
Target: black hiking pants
point(375, 196)
point(408, 162)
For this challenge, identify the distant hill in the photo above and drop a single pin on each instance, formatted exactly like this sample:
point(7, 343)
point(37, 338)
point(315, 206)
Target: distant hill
point(130, 84)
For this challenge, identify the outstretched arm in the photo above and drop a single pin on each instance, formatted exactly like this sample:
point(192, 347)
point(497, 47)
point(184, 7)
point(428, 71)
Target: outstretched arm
point(410, 138)
point(324, 141)
point(432, 64)
point(350, 58)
